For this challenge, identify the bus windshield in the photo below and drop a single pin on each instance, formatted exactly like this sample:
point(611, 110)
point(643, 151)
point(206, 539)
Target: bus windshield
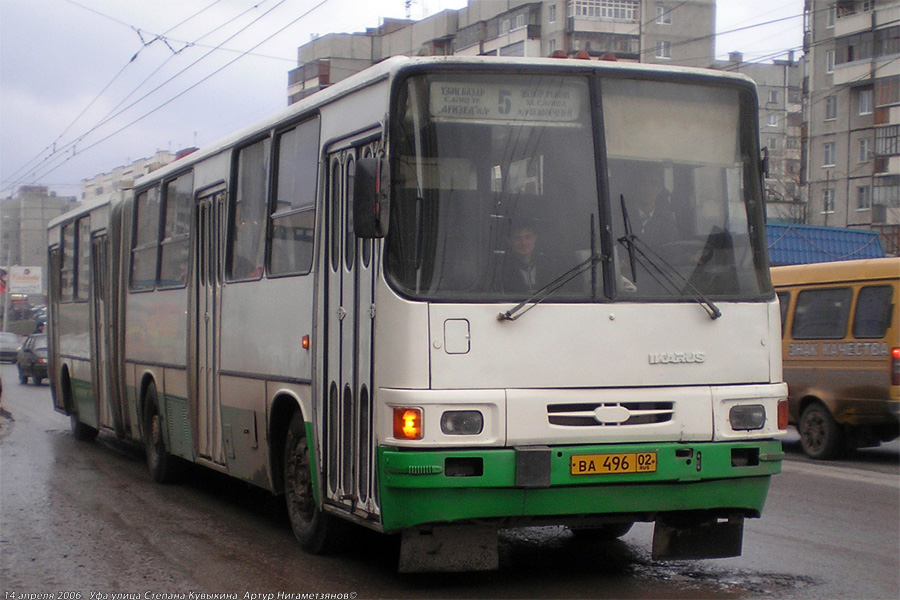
point(496, 194)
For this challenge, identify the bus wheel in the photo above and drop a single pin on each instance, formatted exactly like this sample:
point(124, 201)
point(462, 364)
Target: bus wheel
point(820, 436)
point(163, 466)
point(311, 526)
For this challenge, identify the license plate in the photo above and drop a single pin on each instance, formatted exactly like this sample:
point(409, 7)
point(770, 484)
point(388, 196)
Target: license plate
point(605, 464)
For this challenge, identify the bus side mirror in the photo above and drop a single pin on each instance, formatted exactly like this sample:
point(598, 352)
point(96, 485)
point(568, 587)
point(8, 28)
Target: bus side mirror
point(371, 188)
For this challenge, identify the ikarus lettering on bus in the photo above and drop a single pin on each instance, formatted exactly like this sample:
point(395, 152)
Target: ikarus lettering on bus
point(675, 358)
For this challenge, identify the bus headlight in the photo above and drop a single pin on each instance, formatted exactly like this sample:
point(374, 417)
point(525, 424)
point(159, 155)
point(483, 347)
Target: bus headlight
point(747, 417)
point(462, 422)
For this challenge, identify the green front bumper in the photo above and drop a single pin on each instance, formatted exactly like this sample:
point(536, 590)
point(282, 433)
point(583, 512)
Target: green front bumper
point(419, 487)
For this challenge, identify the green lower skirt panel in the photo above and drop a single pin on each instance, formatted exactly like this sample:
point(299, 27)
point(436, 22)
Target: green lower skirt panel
point(418, 488)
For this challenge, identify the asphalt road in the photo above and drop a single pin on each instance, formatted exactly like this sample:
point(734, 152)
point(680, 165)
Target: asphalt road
point(85, 520)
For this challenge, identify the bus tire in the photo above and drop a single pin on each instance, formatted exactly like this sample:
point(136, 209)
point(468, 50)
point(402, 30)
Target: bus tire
point(311, 526)
point(164, 467)
point(820, 435)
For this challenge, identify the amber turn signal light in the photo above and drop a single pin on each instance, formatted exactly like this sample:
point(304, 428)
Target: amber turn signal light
point(407, 423)
point(782, 414)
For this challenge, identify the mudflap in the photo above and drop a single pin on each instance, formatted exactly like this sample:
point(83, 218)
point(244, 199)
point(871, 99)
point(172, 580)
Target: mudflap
point(710, 537)
point(449, 549)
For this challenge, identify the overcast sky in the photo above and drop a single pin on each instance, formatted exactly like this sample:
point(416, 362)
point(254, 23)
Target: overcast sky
point(89, 85)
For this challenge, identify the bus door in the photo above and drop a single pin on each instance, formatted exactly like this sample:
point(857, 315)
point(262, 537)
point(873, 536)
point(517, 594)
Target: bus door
point(349, 284)
point(205, 317)
point(100, 336)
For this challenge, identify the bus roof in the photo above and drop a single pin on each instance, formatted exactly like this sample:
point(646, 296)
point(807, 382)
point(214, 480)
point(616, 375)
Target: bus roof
point(833, 272)
point(85, 208)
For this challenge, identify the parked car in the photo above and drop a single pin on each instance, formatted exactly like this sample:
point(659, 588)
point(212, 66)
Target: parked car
point(9, 346)
point(32, 358)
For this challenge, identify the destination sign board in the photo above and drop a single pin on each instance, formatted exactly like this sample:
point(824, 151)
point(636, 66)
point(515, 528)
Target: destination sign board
point(492, 102)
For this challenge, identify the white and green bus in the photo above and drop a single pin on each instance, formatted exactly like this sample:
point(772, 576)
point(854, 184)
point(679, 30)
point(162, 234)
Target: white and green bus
point(439, 299)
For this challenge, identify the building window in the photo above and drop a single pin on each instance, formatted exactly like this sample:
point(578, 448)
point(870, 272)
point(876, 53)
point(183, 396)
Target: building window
point(830, 17)
point(611, 10)
point(552, 46)
point(520, 21)
point(504, 27)
point(829, 159)
point(865, 150)
point(828, 201)
point(829, 61)
point(887, 91)
point(772, 144)
point(831, 107)
point(663, 15)
point(863, 197)
point(773, 96)
point(887, 191)
point(552, 16)
point(664, 50)
point(772, 120)
point(865, 101)
point(887, 140)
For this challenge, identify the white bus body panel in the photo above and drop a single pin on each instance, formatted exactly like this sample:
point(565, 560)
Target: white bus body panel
point(263, 324)
point(616, 345)
point(156, 327)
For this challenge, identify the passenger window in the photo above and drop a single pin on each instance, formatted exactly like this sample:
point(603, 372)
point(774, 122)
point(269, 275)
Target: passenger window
point(873, 312)
point(83, 270)
point(822, 314)
point(249, 224)
point(67, 273)
point(784, 300)
point(175, 246)
point(293, 210)
point(146, 240)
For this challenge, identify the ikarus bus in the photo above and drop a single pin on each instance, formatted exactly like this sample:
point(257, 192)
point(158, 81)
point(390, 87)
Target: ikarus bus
point(444, 297)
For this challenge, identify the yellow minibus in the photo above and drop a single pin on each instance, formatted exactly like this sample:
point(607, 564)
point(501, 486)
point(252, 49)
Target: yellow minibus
point(841, 352)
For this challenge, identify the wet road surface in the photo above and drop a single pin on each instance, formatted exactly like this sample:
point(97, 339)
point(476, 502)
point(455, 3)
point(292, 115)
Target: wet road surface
point(87, 518)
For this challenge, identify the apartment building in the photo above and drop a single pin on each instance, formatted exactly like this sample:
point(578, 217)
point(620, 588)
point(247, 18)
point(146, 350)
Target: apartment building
point(852, 115)
point(123, 177)
point(680, 32)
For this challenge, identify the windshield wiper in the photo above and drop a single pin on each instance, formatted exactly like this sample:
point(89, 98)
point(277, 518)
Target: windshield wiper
point(548, 290)
point(668, 276)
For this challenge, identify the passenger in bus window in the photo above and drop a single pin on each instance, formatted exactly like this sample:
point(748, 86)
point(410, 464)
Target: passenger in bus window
point(522, 270)
point(654, 221)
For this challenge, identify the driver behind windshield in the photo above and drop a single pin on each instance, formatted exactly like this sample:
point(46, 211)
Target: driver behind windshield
point(654, 221)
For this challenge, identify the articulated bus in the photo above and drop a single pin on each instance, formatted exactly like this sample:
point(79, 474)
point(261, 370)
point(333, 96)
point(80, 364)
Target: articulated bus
point(446, 297)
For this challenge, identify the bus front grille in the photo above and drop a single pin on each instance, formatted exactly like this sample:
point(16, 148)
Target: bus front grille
point(610, 414)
